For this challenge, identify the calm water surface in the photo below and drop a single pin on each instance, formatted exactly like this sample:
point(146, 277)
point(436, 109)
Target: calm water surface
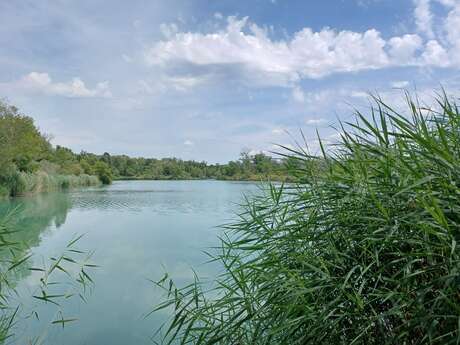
point(138, 229)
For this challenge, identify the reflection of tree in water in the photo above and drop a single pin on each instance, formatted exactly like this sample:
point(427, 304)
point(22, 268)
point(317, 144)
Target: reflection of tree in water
point(58, 278)
point(30, 217)
point(35, 214)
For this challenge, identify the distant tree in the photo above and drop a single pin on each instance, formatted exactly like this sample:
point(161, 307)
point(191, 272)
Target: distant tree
point(263, 163)
point(106, 158)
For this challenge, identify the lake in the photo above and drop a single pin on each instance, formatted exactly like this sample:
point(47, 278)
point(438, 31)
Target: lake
point(138, 230)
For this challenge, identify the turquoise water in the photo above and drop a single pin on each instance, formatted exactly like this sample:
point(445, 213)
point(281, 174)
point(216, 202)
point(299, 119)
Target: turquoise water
point(138, 230)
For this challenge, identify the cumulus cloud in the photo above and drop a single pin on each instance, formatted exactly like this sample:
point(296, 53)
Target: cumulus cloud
point(402, 49)
point(435, 54)
point(307, 54)
point(42, 83)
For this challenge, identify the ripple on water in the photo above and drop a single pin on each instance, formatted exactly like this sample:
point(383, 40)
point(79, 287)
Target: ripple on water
point(161, 201)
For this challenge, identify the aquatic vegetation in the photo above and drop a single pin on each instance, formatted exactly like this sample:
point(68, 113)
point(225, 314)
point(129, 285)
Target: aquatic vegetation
point(363, 251)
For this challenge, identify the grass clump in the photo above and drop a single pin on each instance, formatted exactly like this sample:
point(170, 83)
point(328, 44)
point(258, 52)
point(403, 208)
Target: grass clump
point(363, 251)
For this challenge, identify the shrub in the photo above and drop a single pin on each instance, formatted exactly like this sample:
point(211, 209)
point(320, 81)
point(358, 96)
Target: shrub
point(363, 251)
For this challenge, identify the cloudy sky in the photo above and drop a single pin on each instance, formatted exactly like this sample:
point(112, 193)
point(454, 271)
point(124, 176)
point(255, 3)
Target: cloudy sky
point(203, 80)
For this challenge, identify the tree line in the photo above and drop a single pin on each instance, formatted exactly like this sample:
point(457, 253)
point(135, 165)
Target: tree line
point(248, 167)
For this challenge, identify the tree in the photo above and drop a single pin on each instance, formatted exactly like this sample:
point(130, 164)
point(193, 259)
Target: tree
point(20, 140)
point(103, 171)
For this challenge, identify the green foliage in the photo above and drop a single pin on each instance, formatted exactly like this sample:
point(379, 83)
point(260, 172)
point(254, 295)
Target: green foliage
point(257, 167)
point(363, 251)
point(102, 170)
point(28, 163)
point(20, 140)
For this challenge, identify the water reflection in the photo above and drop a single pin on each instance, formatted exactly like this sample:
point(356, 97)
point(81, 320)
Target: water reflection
point(34, 215)
point(30, 218)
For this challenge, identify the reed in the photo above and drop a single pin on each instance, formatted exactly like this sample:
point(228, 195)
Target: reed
point(20, 183)
point(363, 251)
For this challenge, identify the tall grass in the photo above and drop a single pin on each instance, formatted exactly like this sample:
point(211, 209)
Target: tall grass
point(19, 183)
point(363, 251)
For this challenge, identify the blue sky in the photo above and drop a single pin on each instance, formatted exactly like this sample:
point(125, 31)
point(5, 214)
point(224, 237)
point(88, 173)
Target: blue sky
point(203, 80)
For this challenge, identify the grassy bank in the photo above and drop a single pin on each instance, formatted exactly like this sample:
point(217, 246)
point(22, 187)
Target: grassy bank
point(363, 251)
point(21, 183)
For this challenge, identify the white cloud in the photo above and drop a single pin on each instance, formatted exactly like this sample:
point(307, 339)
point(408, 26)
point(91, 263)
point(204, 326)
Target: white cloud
point(400, 84)
point(435, 54)
point(307, 54)
point(315, 121)
point(452, 27)
point(188, 143)
point(402, 49)
point(42, 83)
point(424, 17)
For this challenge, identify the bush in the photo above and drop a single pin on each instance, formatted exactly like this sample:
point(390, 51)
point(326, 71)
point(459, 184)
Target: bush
point(364, 251)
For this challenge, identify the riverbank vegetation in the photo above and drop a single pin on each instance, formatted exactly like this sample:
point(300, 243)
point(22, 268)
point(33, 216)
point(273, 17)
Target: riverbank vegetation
point(363, 251)
point(29, 163)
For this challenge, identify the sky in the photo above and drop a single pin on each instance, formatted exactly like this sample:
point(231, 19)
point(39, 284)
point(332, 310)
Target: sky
point(204, 80)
